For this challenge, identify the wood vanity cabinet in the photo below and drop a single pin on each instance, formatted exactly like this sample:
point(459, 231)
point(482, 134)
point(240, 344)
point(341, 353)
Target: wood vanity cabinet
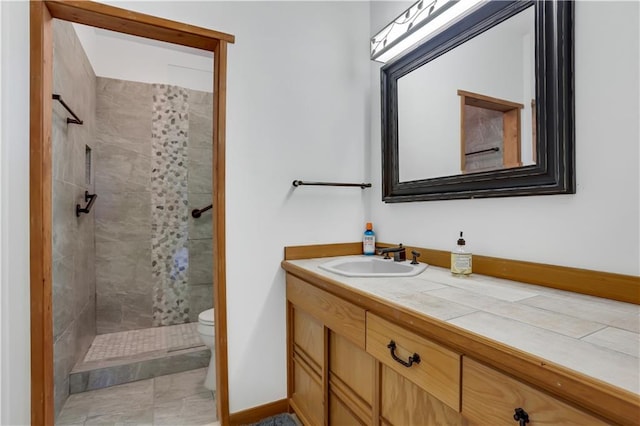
point(337, 379)
point(331, 376)
point(342, 371)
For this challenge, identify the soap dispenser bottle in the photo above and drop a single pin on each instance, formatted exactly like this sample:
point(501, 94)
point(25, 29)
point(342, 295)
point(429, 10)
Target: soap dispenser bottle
point(461, 259)
point(369, 240)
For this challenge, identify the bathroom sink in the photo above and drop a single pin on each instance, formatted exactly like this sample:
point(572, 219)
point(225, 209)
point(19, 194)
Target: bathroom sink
point(367, 266)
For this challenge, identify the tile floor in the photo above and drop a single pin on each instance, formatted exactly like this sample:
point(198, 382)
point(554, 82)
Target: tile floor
point(177, 400)
point(135, 342)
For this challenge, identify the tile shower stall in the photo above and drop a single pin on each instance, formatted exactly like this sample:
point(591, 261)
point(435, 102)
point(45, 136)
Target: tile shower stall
point(131, 276)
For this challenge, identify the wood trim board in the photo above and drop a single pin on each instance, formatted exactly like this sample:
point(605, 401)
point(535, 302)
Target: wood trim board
point(255, 414)
point(40, 231)
point(137, 24)
point(322, 250)
point(120, 20)
point(219, 229)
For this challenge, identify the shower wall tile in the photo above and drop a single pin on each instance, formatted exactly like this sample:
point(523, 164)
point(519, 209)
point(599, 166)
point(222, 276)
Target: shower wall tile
point(63, 291)
point(200, 119)
point(202, 227)
point(129, 310)
point(123, 217)
point(62, 153)
point(73, 247)
point(200, 170)
point(200, 299)
point(86, 330)
point(200, 99)
point(123, 224)
point(108, 312)
point(121, 311)
point(122, 170)
point(84, 291)
point(64, 223)
point(137, 309)
point(124, 282)
point(154, 150)
point(200, 195)
point(123, 265)
point(123, 114)
point(200, 262)
point(64, 360)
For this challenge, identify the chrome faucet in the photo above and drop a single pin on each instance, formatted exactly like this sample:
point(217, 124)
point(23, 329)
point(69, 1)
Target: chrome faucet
point(399, 253)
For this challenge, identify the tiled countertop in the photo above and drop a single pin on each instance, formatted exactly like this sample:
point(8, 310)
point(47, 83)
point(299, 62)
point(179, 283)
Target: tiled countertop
point(594, 336)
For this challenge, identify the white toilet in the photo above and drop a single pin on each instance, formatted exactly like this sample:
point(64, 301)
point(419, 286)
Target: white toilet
point(206, 328)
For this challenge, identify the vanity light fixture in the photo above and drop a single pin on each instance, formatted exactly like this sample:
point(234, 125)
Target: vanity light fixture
point(423, 19)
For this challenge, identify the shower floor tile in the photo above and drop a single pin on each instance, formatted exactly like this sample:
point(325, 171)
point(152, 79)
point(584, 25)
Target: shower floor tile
point(147, 340)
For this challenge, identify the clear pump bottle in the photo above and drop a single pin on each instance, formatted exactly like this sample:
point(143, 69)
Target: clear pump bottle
point(461, 260)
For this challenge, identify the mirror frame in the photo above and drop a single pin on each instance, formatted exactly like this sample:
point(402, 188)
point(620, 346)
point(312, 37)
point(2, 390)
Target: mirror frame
point(554, 172)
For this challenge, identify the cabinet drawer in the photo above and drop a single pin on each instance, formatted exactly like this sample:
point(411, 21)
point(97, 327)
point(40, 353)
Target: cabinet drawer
point(339, 315)
point(491, 397)
point(438, 371)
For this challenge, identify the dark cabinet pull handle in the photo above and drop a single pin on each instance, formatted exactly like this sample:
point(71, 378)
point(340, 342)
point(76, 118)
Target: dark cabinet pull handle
point(413, 359)
point(521, 416)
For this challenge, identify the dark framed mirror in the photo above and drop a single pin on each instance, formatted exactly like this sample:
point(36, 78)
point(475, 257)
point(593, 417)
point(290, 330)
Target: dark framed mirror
point(503, 127)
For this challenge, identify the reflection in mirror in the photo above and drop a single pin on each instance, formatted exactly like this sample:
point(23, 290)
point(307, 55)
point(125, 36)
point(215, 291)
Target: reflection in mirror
point(440, 134)
point(484, 108)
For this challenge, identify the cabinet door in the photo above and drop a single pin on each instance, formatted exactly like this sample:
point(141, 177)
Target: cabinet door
point(306, 366)
point(405, 404)
point(351, 380)
point(341, 415)
point(491, 397)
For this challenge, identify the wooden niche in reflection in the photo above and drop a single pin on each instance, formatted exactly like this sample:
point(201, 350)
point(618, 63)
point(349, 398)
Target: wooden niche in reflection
point(489, 133)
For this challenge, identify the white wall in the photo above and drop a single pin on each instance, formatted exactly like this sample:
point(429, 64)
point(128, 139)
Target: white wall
point(121, 56)
point(598, 227)
point(2, 261)
point(297, 109)
point(14, 215)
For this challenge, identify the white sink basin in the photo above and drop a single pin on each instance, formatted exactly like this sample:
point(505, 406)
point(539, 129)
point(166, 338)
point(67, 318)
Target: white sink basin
point(368, 266)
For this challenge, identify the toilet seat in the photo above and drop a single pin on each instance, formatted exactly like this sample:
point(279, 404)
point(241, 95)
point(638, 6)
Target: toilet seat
point(206, 317)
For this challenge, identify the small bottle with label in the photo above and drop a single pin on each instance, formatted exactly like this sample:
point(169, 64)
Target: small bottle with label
point(461, 259)
point(369, 240)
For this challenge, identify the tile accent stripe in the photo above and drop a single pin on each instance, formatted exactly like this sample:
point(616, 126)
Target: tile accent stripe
point(169, 209)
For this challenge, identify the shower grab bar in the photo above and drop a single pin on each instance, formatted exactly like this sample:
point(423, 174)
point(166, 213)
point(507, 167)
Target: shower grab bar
point(300, 183)
point(91, 198)
point(196, 213)
point(496, 149)
point(75, 119)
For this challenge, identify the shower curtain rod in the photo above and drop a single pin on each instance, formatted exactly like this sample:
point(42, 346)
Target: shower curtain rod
point(75, 119)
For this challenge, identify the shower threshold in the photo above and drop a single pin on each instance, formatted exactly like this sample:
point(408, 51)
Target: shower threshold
point(127, 356)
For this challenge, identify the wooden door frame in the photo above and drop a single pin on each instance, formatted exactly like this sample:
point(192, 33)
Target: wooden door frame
point(41, 85)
